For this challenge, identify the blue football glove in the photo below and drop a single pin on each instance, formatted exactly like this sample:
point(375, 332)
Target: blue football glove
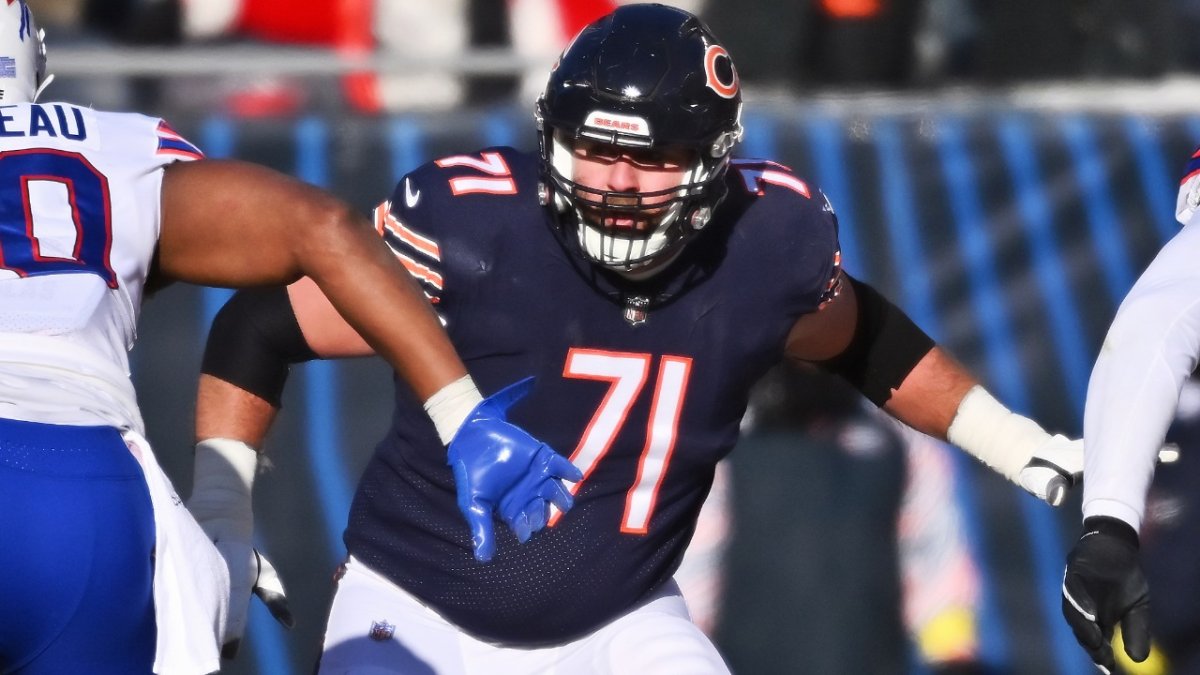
point(498, 467)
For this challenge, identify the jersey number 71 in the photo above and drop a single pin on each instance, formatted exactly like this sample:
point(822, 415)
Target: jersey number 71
point(627, 373)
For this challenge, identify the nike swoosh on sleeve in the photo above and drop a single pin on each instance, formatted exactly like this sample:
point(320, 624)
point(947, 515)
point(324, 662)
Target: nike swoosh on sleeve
point(411, 197)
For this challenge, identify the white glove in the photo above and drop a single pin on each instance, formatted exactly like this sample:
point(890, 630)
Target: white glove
point(221, 504)
point(1053, 470)
point(1017, 448)
point(1057, 466)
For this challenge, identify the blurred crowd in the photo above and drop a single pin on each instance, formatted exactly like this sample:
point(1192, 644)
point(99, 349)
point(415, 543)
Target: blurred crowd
point(895, 584)
point(814, 43)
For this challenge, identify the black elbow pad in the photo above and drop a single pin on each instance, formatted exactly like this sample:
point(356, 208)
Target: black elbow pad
point(885, 348)
point(253, 340)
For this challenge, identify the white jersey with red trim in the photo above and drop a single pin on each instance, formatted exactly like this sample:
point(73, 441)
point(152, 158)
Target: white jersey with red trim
point(79, 222)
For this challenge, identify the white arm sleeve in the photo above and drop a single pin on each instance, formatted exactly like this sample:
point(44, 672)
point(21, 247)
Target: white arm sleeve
point(1151, 348)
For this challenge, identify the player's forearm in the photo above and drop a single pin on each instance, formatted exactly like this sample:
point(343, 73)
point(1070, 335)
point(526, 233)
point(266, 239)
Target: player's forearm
point(380, 300)
point(224, 410)
point(260, 227)
point(928, 398)
point(942, 399)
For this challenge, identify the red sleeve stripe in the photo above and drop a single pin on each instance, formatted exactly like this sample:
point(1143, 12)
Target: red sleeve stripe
point(760, 162)
point(1193, 167)
point(384, 220)
point(786, 180)
point(179, 152)
point(171, 143)
point(166, 131)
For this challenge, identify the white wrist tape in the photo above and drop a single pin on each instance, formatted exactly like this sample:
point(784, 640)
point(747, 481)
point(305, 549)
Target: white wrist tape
point(221, 488)
point(999, 437)
point(449, 407)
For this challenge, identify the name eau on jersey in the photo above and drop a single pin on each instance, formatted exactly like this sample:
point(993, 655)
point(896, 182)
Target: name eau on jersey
point(51, 120)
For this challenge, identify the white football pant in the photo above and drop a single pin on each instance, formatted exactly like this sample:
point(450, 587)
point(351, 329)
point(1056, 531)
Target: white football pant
point(376, 628)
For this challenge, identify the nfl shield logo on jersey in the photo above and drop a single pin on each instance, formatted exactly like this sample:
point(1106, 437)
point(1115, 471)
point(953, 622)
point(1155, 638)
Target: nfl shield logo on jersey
point(636, 308)
point(382, 630)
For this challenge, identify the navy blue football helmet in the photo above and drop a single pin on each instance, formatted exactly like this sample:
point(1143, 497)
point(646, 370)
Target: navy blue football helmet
point(648, 77)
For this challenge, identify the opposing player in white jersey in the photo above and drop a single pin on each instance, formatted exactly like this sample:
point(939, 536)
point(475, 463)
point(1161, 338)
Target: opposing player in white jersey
point(102, 569)
point(1152, 346)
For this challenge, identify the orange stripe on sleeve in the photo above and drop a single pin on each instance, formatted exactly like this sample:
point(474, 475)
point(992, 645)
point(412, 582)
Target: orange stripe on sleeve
point(421, 272)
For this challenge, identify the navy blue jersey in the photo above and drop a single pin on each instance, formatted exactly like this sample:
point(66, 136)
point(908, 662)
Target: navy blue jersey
point(644, 407)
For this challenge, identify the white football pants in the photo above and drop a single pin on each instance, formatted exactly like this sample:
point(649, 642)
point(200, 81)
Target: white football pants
point(376, 628)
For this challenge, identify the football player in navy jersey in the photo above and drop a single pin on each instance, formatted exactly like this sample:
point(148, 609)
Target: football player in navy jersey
point(646, 279)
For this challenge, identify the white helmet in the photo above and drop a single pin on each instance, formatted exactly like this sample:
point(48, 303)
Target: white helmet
point(22, 54)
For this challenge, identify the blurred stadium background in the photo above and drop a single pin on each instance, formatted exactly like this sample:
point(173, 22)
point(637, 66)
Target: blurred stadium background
point(1002, 170)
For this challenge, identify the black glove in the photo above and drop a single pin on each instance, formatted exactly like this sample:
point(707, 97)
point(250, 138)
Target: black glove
point(1104, 585)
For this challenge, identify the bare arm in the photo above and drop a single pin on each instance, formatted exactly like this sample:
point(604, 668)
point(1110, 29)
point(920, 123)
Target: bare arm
point(929, 397)
point(229, 223)
point(867, 340)
point(236, 224)
point(926, 400)
point(224, 410)
point(325, 331)
point(825, 333)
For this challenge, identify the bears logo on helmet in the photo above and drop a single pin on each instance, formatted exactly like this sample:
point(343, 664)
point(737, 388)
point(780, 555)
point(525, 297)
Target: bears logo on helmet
point(718, 67)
